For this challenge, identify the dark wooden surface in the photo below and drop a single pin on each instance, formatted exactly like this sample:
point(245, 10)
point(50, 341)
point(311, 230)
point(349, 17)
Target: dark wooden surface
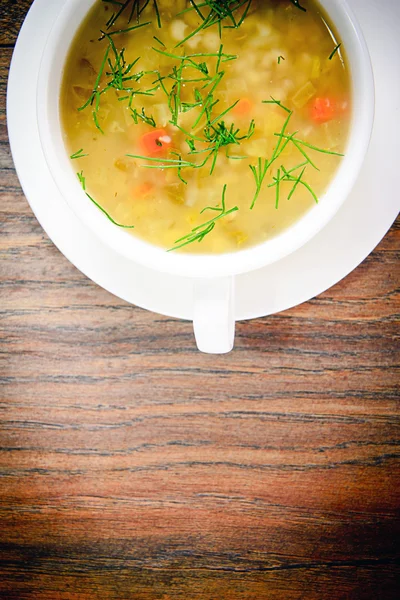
point(133, 467)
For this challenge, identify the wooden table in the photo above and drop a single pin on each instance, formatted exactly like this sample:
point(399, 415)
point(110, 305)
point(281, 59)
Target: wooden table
point(134, 467)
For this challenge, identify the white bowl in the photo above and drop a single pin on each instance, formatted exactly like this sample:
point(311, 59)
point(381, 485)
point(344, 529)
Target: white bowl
point(49, 84)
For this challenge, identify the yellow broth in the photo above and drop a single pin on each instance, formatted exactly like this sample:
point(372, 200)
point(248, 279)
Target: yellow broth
point(231, 106)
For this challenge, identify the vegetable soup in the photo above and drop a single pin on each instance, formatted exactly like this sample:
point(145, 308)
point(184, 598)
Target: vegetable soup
point(206, 126)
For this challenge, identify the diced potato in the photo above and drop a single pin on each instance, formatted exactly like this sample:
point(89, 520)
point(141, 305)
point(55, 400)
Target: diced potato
point(278, 91)
point(253, 77)
point(211, 41)
point(316, 67)
point(178, 29)
point(255, 148)
point(192, 195)
point(304, 62)
point(331, 132)
point(327, 66)
point(232, 217)
point(273, 121)
point(287, 85)
point(239, 85)
point(194, 41)
point(161, 114)
point(116, 127)
point(270, 58)
point(264, 30)
point(123, 213)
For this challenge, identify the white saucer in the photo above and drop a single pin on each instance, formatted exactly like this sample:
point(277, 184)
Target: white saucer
point(334, 253)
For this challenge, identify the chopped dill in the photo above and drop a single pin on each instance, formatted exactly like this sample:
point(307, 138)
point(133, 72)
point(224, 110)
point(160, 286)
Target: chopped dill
point(192, 61)
point(97, 82)
point(137, 7)
point(278, 188)
point(109, 217)
point(280, 58)
point(157, 14)
point(119, 31)
point(119, 76)
point(159, 41)
point(78, 154)
point(336, 49)
point(278, 103)
point(221, 11)
point(136, 116)
point(287, 176)
point(298, 5)
point(199, 233)
point(298, 180)
point(220, 136)
point(311, 146)
point(82, 180)
point(167, 163)
point(123, 5)
point(259, 173)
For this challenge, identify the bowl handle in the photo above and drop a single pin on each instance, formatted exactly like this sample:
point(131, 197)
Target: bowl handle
point(213, 318)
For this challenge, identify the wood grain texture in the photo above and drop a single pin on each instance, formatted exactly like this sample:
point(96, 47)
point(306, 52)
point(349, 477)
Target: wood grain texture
point(132, 467)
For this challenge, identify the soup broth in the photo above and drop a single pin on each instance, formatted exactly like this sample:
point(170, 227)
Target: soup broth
point(206, 127)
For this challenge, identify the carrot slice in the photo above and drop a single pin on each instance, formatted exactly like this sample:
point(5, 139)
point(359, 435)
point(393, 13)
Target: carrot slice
point(243, 107)
point(323, 110)
point(143, 190)
point(155, 142)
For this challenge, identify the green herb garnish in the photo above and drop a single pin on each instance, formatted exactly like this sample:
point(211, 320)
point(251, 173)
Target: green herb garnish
point(298, 5)
point(220, 11)
point(109, 217)
point(199, 233)
point(119, 31)
point(287, 176)
point(259, 173)
point(298, 180)
point(119, 76)
point(136, 116)
point(167, 163)
point(159, 41)
point(336, 49)
point(135, 8)
point(191, 61)
point(311, 146)
point(278, 187)
point(157, 13)
point(219, 135)
point(278, 103)
point(82, 180)
point(78, 154)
